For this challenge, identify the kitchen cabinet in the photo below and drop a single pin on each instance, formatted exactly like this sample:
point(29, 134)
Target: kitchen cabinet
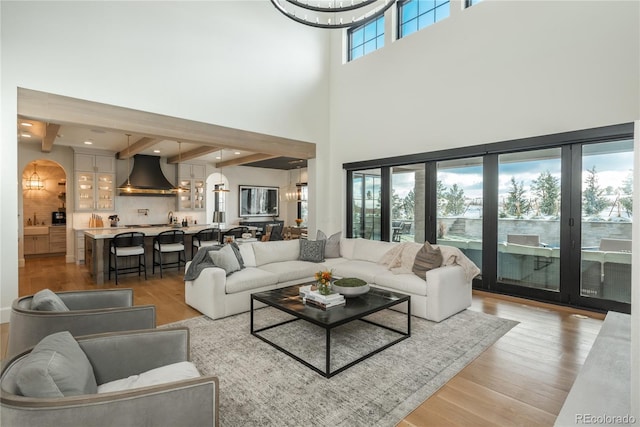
point(36, 244)
point(95, 163)
point(191, 180)
point(57, 239)
point(94, 182)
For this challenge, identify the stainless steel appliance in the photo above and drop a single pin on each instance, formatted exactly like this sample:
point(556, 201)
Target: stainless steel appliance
point(58, 218)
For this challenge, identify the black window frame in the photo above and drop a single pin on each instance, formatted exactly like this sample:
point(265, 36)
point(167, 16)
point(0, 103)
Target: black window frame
point(362, 26)
point(571, 144)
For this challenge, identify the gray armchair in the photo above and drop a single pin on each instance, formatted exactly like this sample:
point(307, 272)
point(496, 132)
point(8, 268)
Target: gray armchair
point(117, 355)
point(90, 312)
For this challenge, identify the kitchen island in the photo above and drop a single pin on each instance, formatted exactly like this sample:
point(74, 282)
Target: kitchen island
point(96, 247)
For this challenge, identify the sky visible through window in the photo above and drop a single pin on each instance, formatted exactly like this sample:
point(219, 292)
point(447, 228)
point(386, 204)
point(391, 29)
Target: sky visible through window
point(612, 170)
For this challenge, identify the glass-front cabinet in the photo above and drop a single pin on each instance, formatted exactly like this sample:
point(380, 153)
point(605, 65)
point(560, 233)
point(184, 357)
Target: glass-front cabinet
point(95, 182)
point(95, 191)
point(191, 181)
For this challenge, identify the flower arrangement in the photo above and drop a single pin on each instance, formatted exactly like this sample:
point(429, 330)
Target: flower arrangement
point(298, 221)
point(323, 281)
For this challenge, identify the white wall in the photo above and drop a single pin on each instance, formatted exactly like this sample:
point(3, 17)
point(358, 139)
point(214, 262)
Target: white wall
point(497, 71)
point(232, 63)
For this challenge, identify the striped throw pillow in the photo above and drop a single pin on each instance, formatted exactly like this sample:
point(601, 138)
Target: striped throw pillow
point(427, 258)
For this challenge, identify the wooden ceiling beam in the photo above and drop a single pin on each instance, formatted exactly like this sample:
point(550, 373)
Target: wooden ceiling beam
point(137, 147)
point(192, 154)
point(78, 112)
point(246, 159)
point(49, 137)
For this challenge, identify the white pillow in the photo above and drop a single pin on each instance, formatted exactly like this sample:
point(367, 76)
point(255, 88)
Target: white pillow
point(249, 258)
point(164, 374)
point(277, 251)
point(226, 259)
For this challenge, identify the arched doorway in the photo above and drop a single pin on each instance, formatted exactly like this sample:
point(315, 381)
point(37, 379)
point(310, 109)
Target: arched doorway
point(44, 201)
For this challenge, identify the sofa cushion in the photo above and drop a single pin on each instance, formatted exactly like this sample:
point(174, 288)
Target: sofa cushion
point(371, 250)
point(312, 250)
point(248, 279)
point(246, 251)
point(47, 300)
point(364, 270)
point(226, 259)
point(56, 367)
point(291, 270)
point(332, 244)
point(346, 248)
point(426, 259)
point(268, 252)
point(407, 283)
point(174, 372)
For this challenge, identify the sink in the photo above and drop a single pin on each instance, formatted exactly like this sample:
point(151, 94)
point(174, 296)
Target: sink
point(36, 230)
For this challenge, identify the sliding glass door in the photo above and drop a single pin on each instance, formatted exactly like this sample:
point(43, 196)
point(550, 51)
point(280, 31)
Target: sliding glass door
point(607, 185)
point(408, 198)
point(460, 205)
point(367, 204)
point(528, 252)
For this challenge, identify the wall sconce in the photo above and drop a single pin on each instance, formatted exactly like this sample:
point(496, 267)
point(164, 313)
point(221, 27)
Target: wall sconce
point(35, 182)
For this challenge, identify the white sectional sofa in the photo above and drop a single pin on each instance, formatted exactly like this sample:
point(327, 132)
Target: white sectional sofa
point(386, 265)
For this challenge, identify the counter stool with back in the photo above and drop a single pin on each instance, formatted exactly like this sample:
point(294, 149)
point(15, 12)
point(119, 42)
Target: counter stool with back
point(166, 242)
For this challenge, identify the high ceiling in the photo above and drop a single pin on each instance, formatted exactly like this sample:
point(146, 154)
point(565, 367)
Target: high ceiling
point(177, 140)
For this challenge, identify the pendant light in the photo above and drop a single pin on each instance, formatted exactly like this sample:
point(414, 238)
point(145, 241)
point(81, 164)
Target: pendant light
point(34, 182)
point(301, 196)
point(219, 187)
point(127, 188)
point(333, 13)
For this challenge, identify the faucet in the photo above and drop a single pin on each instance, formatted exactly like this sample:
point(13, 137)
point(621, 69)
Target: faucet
point(34, 219)
point(170, 217)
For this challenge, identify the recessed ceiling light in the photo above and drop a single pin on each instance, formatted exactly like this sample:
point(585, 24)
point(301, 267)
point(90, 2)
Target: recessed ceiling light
point(25, 135)
point(218, 157)
point(88, 142)
point(156, 151)
point(236, 153)
point(27, 124)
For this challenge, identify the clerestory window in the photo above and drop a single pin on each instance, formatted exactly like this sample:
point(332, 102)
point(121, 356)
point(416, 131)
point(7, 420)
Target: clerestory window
point(366, 38)
point(414, 15)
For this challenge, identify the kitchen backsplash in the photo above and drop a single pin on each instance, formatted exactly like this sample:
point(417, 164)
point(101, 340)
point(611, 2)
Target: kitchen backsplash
point(127, 209)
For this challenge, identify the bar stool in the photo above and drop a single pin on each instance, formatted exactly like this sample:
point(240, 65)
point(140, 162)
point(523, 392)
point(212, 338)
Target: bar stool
point(171, 241)
point(127, 245)
point(202, 238)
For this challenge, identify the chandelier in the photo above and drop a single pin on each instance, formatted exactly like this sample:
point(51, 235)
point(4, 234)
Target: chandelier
point(332, 13)
point(34, 182)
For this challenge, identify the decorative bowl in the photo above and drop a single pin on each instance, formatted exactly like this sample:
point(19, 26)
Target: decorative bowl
point(350, 291)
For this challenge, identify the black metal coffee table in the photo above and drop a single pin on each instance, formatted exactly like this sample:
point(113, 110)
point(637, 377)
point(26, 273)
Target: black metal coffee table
point(288, 301)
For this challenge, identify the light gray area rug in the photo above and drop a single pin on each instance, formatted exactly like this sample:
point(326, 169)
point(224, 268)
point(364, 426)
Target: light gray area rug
point(261, 386)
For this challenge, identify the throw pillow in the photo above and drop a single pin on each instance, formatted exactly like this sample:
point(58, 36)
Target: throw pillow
point(312, 250)
point(226, 259)
point(56, 367)
point(332, 245)
point(426, 259)
point(236, 251)
point(46, 300)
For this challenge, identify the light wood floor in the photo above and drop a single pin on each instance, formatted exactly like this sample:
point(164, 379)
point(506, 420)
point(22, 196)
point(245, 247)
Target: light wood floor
point(522, 380)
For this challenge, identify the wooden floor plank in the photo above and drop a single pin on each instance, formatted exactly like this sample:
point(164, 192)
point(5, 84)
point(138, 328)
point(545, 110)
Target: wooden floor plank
point(522, 379)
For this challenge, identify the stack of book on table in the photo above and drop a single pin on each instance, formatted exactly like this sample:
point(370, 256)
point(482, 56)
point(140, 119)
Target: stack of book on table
point(316, 299)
